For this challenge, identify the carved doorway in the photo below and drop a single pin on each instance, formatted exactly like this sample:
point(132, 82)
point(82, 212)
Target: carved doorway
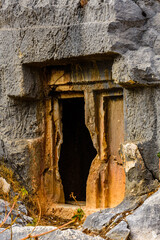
point(77, 151)
point(84, 127)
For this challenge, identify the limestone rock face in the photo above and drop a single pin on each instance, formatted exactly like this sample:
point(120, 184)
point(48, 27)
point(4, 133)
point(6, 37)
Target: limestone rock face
point(125, 34)
point(99, 220)
point(140, 222)
point(120, 232)
point(139, 180)
point(144, 222)
point(19, 233)
point(37, 34)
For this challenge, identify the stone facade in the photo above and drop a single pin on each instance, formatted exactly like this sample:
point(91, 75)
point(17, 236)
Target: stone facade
point(60, 49)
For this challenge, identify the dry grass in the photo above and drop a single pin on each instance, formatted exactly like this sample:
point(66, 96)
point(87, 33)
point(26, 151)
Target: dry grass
point(8, 174)
point(16, 188)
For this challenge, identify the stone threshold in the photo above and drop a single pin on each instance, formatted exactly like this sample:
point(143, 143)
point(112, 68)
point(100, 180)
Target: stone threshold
point(67, 211)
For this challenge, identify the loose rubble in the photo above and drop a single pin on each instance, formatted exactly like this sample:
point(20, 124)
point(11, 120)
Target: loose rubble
point(20, 213)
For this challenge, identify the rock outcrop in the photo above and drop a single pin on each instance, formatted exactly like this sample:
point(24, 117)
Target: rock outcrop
point(102, 219)
point(133, 219)
point(125, 35)
point(139, 180)
point(19, 233)
point(140, 221)
point(34, 34)
point(145, 221)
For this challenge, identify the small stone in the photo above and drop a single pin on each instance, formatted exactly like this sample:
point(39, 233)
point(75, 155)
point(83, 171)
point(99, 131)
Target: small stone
point(23, 209)
point(83, 2)
point(2, 217)
point(27, 219)
point(4, 186)
point(15, 213)
point(119, 232)
point(20, 221)
point(118, 218)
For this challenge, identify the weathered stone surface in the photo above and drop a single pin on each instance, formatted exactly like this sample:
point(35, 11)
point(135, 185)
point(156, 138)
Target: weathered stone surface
point(20, 214)
point(139, 180)
point(22, 208)
point(141, 123)
point(36, 34)
point(146, 72)
point(21, 232)
point(144, 222)
point(104, 218)
point(94, 199)
point(120, 232)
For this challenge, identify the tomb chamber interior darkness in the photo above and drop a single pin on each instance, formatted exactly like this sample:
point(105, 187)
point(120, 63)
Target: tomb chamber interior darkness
point(77, 151)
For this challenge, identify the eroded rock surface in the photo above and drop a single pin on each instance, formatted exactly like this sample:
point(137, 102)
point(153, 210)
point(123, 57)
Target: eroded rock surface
point(40, 33)
point(139, 180)
point(20, 213)
point(145, 221)
point(19, 232)
point(142, 220)
point(37, 34)
point(120, 232)
point(104, 218)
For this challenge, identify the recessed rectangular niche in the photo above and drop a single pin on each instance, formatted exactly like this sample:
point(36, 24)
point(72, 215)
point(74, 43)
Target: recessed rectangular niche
point(84, 128)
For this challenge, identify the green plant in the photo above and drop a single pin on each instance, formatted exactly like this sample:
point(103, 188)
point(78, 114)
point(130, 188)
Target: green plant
point(158, 154)
point(24, 192)
point(78, 215)
point(34, 222)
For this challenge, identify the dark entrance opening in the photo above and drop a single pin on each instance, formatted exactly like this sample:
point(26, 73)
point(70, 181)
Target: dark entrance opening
point(77, 151)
